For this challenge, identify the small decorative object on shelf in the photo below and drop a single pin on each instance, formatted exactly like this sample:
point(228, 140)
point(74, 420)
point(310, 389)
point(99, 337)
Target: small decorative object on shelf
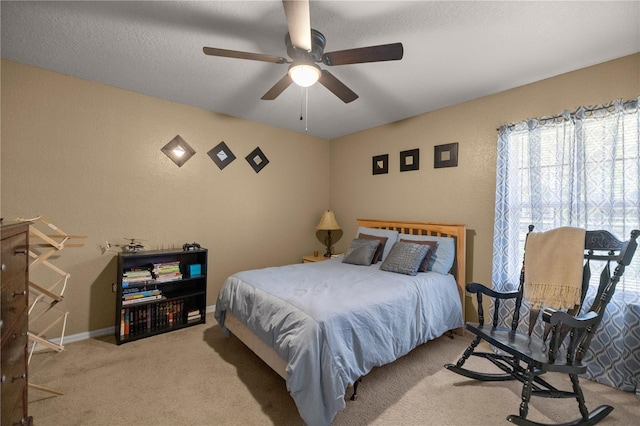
point(133, 246)
point(192, 246)
point(160, 291)
point(195, 270)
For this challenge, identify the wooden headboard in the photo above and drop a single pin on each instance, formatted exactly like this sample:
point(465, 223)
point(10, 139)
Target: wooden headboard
point(455, 230)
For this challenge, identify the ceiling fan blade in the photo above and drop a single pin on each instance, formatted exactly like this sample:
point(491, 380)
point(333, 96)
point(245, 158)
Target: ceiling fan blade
point(337, 87)
point(383, 52)
point(299, 23)
point(277, 88)
point(243, 55)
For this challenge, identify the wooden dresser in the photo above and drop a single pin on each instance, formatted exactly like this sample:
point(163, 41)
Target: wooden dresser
point(15, 323)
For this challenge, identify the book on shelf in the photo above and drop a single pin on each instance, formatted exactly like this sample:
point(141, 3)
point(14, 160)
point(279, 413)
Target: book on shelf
point(142, 299)
point(193, 315)
point(141, 320)
point(168, 277)
point(134, 272)
point(138, 289)
point(136, 276)
point(167, 271)
point(141, 294)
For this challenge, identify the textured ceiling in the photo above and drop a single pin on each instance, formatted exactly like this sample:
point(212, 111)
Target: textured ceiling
point(454, 51)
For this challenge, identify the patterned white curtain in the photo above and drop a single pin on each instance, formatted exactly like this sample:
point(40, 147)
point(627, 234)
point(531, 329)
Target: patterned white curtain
point(576, 169)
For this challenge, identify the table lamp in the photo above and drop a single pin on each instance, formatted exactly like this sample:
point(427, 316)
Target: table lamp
point(328, 223)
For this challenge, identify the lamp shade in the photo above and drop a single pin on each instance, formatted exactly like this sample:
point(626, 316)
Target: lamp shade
point(328, 222)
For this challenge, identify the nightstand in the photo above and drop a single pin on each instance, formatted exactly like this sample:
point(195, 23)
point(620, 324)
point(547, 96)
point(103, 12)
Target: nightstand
point(312, 258)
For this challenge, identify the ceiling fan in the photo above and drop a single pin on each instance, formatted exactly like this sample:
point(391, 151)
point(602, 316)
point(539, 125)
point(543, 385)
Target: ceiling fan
point(305, 47)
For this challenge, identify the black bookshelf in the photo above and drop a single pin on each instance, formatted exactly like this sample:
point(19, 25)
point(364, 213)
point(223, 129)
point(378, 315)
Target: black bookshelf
point(159, 291)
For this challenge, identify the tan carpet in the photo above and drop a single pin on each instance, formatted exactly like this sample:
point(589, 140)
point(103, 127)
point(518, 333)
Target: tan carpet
point(197, 376)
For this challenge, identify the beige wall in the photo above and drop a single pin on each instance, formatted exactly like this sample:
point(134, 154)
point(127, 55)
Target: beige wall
point(87, 157)
point(463, 194)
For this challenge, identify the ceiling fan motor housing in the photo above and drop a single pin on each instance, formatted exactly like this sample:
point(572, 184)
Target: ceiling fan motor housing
point(318, 42)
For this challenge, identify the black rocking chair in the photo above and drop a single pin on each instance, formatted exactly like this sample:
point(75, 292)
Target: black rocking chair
point(526, 357)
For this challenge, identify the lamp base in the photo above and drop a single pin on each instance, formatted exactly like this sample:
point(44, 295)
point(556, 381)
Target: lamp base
point(328, 243)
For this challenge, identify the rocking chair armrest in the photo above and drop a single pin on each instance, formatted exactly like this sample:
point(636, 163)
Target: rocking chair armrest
point(481, 288)
point(555, 317)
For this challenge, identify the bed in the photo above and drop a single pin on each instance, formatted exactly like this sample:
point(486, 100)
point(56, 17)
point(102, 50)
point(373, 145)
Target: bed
point(324, 325)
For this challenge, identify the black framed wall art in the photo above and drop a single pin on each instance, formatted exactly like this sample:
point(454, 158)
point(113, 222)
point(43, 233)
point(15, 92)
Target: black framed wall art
point(445, 155)
point(380, 164)
point(178, 150)
point(257, 159)
point(221, 155)
point(410, 160)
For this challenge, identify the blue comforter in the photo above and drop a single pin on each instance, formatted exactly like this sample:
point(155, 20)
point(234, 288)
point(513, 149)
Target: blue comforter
point(333, 322)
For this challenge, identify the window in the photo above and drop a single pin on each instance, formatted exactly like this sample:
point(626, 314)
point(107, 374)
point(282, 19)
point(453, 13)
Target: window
point(577, 169)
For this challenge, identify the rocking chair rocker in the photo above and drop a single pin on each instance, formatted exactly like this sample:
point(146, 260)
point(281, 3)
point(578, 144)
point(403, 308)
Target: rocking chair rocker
point(526, 357)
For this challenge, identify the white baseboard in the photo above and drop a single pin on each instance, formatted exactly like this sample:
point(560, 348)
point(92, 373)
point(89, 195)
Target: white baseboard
point(100, 332)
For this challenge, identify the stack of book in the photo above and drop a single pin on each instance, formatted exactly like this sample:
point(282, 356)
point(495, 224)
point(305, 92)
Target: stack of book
point(167, 271)
point(193, 315)
point(136, 276)
point(140, 295)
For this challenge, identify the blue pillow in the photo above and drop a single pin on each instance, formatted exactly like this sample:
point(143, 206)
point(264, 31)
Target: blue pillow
point(442, 259)
point(405, 258)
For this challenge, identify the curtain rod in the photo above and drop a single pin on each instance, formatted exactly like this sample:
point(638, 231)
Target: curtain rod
point(554, 117)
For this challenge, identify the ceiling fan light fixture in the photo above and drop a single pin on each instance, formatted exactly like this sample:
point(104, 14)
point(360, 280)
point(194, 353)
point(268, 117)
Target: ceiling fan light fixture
point(304, 75)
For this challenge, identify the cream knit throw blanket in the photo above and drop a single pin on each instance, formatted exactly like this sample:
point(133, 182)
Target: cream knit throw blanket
point(553, 264)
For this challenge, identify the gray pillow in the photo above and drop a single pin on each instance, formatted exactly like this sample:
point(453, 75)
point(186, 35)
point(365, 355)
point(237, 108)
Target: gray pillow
point(392, 237)
point(383, 240)
point(405, 258)
point(424, 265)
point(442, 259)
point(361, 251)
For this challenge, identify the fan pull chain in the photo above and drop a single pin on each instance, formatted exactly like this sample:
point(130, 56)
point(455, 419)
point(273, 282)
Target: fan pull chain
point(304, 96)
point(301, 98)
point(306, 109)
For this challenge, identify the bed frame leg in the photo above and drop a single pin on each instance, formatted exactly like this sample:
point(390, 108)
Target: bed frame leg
point(355, 389)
